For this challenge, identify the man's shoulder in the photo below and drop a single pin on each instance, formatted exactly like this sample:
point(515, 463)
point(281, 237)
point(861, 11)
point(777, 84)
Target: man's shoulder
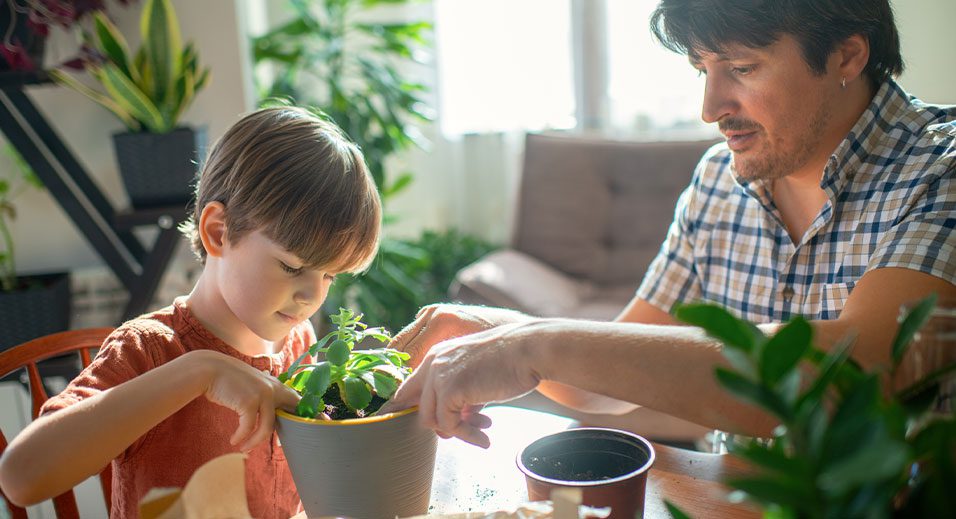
point(714, 169)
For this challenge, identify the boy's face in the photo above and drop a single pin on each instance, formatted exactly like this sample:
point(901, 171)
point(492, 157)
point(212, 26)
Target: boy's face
point(267, 288)
point(772, 108)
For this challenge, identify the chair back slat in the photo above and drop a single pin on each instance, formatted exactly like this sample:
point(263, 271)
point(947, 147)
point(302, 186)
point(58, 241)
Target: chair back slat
point(37, 392)
point(26, 356)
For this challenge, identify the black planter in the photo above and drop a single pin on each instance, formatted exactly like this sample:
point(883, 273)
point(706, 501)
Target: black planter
point(41, 308)
point(159, 169)
point(33, 43)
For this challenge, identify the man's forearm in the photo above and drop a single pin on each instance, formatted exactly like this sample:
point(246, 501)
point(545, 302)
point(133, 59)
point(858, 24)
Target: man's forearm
point(667, 368)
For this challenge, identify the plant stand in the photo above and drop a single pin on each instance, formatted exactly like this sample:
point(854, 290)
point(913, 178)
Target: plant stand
point(108, 231)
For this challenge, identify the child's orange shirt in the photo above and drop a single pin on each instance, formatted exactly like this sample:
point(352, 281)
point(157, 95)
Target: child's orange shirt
point(168, 454)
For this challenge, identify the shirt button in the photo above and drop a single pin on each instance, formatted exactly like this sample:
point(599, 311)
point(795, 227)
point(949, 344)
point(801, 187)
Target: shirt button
point(787, 293)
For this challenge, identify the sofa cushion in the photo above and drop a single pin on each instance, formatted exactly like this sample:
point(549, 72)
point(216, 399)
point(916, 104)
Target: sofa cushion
point(598, 209)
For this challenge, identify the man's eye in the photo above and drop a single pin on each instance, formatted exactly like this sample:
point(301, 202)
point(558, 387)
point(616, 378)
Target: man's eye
point(290, 270)
point(743, 71)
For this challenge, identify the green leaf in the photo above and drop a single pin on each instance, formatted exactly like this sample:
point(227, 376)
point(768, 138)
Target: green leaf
point(338, 353)
point(357, 394)
point(767, 489)
point(134, 101)
point(320, 379)
point(119, 111)
point(162, 42)
point(720, 324)
point(309, 406)
point(877, 461)
point(912, 322)
point(675, 512)
point(754, 393)
point(384, 385)
point(784, 350)
point(314, 349)
point(113, 45)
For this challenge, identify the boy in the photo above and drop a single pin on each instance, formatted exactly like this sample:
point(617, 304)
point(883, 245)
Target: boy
point(283, 204)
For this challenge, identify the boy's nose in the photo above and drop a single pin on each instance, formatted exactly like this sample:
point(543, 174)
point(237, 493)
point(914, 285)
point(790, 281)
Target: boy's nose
point(312, 292)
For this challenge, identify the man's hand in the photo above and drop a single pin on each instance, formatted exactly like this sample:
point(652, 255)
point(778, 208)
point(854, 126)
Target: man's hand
point(457, 377)
point(437, 323)
point(252, 394)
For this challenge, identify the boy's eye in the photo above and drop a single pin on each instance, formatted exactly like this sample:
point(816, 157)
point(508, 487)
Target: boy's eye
point(743, 70)
point(290, 270)
point(330, 277)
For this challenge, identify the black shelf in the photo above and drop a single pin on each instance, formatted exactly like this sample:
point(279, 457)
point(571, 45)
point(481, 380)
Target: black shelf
point(107, 230)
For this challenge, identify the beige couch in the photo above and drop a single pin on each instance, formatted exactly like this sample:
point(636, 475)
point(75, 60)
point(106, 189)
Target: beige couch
point(591, 215)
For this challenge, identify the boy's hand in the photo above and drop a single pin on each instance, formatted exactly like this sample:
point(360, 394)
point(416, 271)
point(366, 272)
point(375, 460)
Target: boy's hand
point(252, 394)
point(437, 323)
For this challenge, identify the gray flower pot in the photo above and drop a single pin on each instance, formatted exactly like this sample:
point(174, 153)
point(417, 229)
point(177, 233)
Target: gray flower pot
point(366, 468)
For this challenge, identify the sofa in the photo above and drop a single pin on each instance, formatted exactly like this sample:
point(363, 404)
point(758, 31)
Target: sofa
point(591, 215)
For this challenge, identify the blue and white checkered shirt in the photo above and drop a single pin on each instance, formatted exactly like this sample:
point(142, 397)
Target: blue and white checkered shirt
point(891, 188)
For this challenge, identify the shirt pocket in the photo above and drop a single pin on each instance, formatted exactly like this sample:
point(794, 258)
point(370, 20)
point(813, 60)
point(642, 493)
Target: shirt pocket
point(833, 297)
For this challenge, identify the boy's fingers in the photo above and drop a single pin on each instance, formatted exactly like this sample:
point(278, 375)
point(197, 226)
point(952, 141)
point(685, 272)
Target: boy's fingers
point(265, 424)
point(286, 397)
point(247, 420)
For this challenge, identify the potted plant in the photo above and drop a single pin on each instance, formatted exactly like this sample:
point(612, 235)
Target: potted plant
point(25, 25)
point(30, 306)
point(848, 444)
point(337, 450)
point(148, 91)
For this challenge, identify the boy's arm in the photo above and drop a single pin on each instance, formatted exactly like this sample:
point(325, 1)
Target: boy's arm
point(57, 451)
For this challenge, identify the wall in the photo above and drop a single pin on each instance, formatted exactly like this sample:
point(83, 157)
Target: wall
point(925, 34)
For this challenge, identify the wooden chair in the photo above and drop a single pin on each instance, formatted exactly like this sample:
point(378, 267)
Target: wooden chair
point(26, 356)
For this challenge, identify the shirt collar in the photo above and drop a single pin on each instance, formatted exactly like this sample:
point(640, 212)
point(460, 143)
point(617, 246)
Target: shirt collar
point(885, 111)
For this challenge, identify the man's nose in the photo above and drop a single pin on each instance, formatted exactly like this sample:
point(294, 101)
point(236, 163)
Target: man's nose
point(719, 99)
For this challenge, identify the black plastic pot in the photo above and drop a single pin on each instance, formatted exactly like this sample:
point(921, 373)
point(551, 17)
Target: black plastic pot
point(159, 169)
point(40, 308)
point(609, 466)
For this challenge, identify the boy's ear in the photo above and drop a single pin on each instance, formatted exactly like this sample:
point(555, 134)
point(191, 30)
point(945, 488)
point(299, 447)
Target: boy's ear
point(212, 228)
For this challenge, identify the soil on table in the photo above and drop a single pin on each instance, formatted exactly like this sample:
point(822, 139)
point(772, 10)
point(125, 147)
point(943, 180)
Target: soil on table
point(337, 410)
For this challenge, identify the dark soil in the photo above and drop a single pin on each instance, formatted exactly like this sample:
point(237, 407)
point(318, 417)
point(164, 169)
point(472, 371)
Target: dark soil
point(593, 467)
point(337, 410)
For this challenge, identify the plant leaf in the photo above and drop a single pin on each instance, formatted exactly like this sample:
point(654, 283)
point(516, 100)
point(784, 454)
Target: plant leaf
point(309, 405)
point(125, 93)
point(357, 394)
point(912, 322)
point(784, 350)
point(720, 324)
point(162, 42)
point(675, 512)
point(320, 379)
point(338, 353)
point(104, 100)
point(114, 45)
point(384, 385)
point(754, 393)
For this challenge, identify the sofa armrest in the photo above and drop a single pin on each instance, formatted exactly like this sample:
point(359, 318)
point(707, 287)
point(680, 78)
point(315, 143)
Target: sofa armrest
point(511, 279)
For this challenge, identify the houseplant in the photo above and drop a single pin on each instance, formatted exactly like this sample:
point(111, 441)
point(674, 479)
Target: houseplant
point(148, 91)
point(25, 24)
point(334, 462)
point(847, 446)
point(30, 306)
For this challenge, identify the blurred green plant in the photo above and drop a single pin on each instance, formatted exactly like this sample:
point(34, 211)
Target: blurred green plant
point(13, 182)
point(150, 90)
point(327, 55)
point(407, 275)
point(845, 446)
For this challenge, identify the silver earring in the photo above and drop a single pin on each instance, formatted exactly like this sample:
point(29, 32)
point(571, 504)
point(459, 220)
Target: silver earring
point(843, 83)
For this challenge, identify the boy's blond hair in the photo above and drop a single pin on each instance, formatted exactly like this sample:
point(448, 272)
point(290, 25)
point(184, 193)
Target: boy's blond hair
point(294, 176)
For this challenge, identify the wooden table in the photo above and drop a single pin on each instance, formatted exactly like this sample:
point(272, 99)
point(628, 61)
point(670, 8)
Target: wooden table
point(471, 479)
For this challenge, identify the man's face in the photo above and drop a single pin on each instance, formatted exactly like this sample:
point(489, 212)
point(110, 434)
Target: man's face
point(770, 106)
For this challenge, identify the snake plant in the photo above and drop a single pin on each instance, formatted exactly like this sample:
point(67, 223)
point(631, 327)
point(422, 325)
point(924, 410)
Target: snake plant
point(148, 90)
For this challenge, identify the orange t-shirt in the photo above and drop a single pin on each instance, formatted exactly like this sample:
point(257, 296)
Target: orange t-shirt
point(168, 454)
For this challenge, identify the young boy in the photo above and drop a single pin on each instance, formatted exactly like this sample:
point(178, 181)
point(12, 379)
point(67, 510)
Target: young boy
point(284, 203)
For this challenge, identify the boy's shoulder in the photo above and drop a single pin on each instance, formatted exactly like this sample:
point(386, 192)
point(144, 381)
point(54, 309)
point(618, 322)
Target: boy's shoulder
point(154, 328)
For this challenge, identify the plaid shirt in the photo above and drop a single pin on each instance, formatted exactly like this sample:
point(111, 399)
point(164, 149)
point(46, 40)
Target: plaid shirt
point(891, 188)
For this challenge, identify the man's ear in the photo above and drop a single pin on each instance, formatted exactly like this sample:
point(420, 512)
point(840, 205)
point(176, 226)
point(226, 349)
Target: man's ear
point(212, 228)
point(852, 56)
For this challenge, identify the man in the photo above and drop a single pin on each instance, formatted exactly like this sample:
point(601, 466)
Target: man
point(834, 197)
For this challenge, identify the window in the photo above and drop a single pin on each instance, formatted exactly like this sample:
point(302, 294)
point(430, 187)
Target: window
point(504, 65)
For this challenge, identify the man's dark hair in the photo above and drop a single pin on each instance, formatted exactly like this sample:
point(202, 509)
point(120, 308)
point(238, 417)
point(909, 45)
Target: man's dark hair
point(692, 26)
